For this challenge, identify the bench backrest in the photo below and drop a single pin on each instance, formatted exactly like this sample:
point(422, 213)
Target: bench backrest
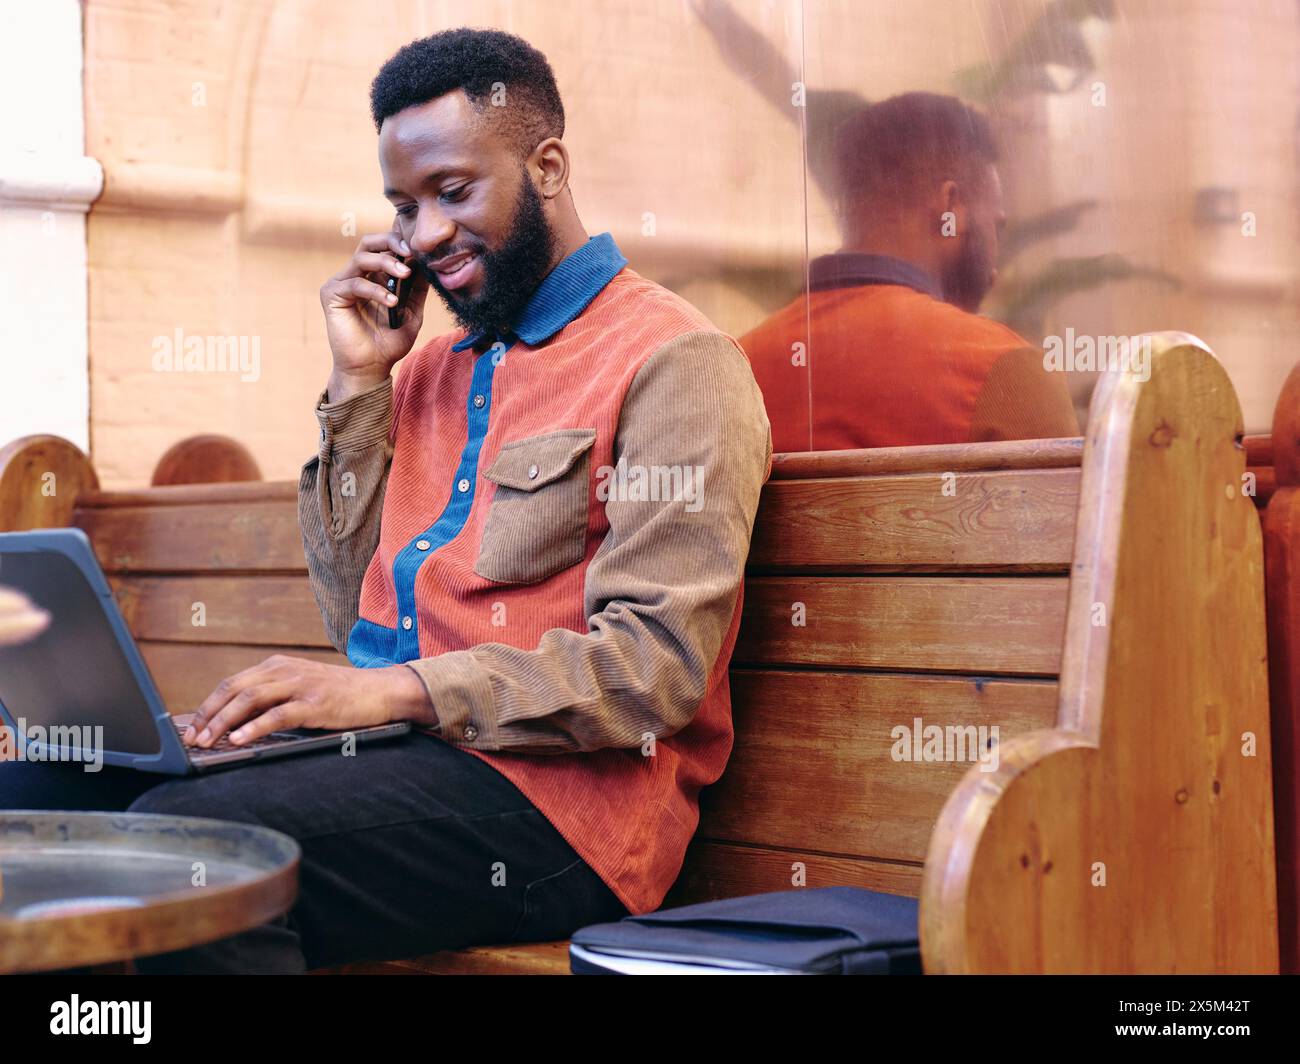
point(883, 588)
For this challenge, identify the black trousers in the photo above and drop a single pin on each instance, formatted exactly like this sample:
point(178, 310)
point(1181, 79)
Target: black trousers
point(409, 847)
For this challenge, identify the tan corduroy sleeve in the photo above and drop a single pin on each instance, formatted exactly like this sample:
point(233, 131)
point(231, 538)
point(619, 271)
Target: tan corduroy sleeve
point(1022, 400)
point(661, 589)
point(341, 501)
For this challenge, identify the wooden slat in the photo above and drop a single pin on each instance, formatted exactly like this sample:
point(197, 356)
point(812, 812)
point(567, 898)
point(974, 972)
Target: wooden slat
point(185, 674)
point(370, 968)
point(529, 958)
point(1282, 594)
point(991, 625)
point(258, 610)
point(1282, 587)
point(1259, 448)
point(241, 493)
point(997, 521)
point(1265, 484)
point(195, 537)
point(1000, 521)
point(812, 770)
point(1059, 453)
point(1259, 461)
point(721, 870)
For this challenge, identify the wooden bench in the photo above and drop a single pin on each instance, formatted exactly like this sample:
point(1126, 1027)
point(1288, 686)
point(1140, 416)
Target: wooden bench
point(1282, 583)
point(1123, 676)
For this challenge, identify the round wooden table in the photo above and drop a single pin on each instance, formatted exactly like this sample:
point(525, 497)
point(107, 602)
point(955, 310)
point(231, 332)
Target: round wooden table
point(80, 888)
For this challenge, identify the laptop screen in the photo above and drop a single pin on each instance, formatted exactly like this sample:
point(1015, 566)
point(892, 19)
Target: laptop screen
point(75, 673)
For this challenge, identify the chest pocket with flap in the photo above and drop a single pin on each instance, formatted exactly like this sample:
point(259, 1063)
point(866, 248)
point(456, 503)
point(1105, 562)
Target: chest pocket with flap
point(537, 523)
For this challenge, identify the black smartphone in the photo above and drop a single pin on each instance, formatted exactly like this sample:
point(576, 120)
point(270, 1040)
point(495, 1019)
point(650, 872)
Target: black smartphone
point(395, 314)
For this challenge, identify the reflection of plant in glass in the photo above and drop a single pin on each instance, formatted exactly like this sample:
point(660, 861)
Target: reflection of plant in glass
point(1052, 56)
point(1052, 49)
point(1023, 302)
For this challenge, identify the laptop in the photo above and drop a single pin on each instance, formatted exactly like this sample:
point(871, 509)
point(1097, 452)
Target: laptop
point(81, 692)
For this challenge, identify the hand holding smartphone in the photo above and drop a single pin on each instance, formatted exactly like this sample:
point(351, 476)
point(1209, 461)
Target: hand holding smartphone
point(402, 288)
point(382, 275)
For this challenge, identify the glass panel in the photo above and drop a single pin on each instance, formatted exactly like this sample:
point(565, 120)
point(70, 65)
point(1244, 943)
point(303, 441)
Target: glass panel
point(1144, 156)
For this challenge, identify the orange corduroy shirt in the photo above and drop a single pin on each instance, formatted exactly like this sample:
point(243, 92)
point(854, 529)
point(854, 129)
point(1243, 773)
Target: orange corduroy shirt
point(572, 623)
point(870, 356)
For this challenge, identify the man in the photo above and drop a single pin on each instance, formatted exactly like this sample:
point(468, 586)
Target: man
point(531, 546)
point(886, 348)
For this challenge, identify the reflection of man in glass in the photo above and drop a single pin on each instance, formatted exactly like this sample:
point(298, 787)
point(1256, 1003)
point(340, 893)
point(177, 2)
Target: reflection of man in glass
point(886, 347)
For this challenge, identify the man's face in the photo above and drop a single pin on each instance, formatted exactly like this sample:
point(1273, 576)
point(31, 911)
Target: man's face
point(468, 209)
point(970, 267)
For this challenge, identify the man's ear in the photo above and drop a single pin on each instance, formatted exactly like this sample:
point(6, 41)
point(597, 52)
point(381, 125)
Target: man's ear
point(948, 209)
point(551, 157)
point(949, 197)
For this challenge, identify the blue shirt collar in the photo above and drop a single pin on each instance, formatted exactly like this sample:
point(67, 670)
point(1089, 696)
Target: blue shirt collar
point(845, 269)
point(564, 292)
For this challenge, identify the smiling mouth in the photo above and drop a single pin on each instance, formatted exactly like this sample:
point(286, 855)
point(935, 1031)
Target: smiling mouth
point(459, 274)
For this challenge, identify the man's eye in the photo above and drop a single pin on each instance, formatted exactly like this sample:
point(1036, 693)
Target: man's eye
point(404, 211)
point(456, 194)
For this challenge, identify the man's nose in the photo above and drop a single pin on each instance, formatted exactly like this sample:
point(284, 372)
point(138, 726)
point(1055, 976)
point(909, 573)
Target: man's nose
point(432, 231)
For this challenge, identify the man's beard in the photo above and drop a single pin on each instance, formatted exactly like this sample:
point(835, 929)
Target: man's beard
point(966, 281)
point(510, 274)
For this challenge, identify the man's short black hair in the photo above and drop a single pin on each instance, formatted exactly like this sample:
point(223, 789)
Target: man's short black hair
point(891, 153)
point(508, 81)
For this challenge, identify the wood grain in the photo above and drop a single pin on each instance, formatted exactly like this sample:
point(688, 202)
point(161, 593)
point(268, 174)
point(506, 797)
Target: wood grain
point(206, 459)
point(186, 674)
point(257, 609)
point(715, 870)
point(1060, 453)
point(1282, 585)
point(813, 767)
point(985, 625)
point(1147, 779)
point(940, 583)
point(251, 536)
point(1006, 521)
point(41, 478)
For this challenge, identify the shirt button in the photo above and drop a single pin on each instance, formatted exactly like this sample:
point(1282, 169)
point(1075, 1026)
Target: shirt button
point(422, 544)
point(463, 485)
point(406, 623)
point(479, 401)
point(532, 472)
point(471, 733)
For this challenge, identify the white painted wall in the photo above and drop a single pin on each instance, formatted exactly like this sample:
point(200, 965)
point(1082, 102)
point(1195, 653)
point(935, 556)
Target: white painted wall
point(46, 185)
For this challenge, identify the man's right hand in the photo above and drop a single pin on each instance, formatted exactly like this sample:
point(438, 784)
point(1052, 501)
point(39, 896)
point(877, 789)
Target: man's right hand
point(356, 306)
